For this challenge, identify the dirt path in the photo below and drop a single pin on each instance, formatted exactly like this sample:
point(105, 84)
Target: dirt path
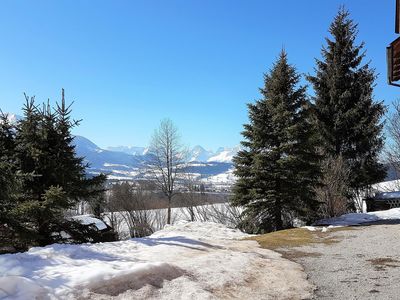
point(362, 263)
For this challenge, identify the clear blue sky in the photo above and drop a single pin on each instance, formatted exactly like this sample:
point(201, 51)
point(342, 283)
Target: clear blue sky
point(128, 64)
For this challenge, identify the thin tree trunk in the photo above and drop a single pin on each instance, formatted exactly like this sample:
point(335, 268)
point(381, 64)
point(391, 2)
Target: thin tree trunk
point(278, 215)
point(169, 210)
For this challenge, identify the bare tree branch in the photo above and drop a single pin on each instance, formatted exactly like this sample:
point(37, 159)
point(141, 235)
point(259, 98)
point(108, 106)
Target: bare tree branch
point(168, 160)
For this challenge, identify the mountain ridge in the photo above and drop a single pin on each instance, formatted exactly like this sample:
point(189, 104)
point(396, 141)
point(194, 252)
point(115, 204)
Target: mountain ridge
point(127, 162)
point(123, 166)
point(195, 154)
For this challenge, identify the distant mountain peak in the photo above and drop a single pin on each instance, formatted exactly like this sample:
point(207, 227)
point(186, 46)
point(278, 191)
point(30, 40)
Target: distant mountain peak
point(85, 144)
point(224, 154)
point(123, 166)
point(13, 118)
point(132, 150)
point(197, 153)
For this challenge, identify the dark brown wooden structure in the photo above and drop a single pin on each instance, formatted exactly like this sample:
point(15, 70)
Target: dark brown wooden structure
point(383, 201)
point(393, 61)
point(393, 53)
point(397, 21)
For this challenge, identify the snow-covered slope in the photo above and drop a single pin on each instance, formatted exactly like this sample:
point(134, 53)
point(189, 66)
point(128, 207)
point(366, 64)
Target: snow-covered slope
point(102, 159)
point(132, 150)
point(199, 154)
point(185, 261)
point(84, 145)
point(125, 162)
point(224, 154)
point(196, 154)
point(121, 165)
point(12, 118)
point(226, 178)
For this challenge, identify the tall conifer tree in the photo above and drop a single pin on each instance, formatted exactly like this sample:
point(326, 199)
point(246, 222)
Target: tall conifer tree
point(278, 166)
point(53, 177)
point(7, 168)
point(348, 118)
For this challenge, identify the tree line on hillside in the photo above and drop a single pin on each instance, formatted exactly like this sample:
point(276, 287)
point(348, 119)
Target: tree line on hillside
point(308, 157)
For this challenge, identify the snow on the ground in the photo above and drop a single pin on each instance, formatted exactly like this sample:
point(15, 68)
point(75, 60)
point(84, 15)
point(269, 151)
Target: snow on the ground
point(90, 220)
point(319, 228)
point(207, 230)
point(222, 213)
point(183, 261)
point(227, 177)
point(361, 218)
point(390, 214)
point(387, 186)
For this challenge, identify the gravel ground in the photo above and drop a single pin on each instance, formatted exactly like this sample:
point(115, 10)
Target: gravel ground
point(363, 264)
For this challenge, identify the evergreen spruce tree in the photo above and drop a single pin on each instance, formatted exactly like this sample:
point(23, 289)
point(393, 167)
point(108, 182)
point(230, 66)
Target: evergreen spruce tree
point(348, 118)
point(13, 233)
point(7, 173)
point(54, 177)
point(278, 166)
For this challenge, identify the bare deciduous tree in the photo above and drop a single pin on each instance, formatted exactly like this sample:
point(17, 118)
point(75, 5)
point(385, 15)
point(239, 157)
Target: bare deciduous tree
point(392, 151)
point(192, 195)
point(168, 160)
point(334, 190)
point(222, 213)
point(129, 204)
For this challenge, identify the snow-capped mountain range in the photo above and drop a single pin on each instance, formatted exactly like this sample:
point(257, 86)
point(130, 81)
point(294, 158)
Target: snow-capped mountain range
point(132, 150)
point(222, 154)
point(12, 118)
point(196, 154)
point(126, 162)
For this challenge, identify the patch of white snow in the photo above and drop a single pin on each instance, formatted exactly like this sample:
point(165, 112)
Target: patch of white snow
point(184, 261)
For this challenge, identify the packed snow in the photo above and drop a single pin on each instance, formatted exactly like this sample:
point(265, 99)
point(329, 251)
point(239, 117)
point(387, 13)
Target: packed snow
point(183, 261)
point(319, 228)
point(90, 220)
point(353, 219)
point(227, 177)
point(387, 186)
point(221, 213)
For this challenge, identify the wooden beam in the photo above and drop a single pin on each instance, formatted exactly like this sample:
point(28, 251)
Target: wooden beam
point(393, 62)
point(389, 63)
point(397, 20)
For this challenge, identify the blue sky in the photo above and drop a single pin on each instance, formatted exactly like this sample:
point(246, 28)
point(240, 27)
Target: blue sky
point(128, 64)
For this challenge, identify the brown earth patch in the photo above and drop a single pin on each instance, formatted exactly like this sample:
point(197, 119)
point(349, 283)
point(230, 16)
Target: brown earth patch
point(382, 263)
point(296, 237)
